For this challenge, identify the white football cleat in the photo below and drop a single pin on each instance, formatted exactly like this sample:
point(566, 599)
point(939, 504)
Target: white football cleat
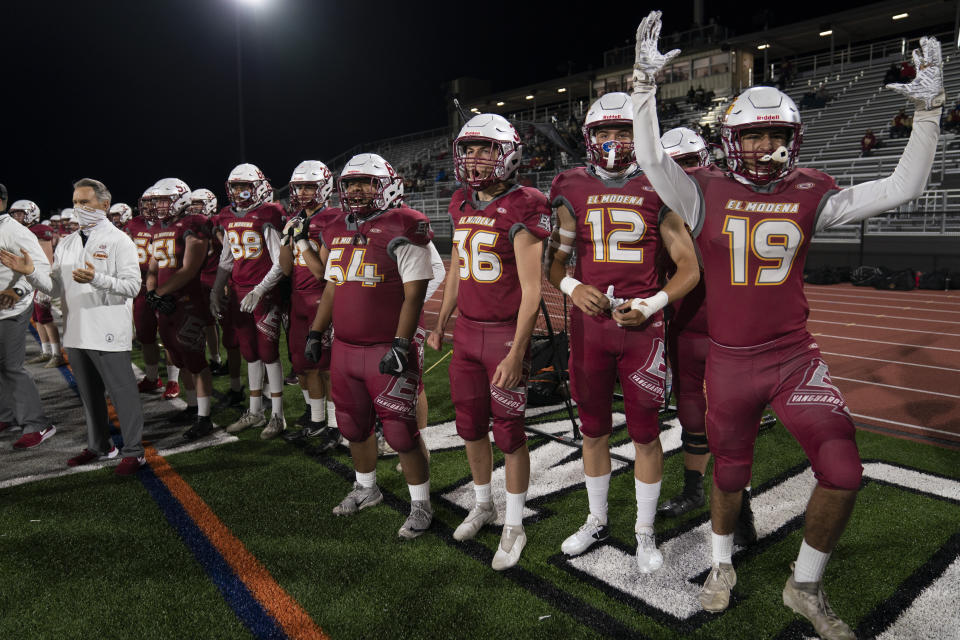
point(649, 558)
point(512, 541)
point(592, 531)
point(481, 514)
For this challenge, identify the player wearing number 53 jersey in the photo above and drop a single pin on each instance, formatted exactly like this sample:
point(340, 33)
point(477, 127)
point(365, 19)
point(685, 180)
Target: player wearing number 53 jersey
point(757, 221)
point(377, 265)
point(495, 281)
point(611, 215)
point(251, 227)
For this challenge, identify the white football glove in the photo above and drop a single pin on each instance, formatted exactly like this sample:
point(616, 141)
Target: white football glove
point(649, 60)
point(926, 90)
point(250, 301)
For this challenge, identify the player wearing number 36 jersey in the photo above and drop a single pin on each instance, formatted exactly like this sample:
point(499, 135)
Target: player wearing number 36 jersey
point(494, 279)
point(756, 222)
point(611, 215)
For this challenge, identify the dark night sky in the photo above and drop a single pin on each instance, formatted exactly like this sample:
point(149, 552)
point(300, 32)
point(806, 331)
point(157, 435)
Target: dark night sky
point(136, 90)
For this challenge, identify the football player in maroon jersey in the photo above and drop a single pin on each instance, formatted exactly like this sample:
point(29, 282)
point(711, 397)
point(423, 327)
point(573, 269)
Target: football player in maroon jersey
point(758, 218)
point(687, 346)
point(499, 228)
point(178, 250)
point(140, 229)
point(375, 253)
point(610, 214)
point(27, 213)
point(310, 187)
point(250, 259)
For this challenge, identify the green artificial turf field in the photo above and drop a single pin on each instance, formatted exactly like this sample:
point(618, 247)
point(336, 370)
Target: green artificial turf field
point(91, 555)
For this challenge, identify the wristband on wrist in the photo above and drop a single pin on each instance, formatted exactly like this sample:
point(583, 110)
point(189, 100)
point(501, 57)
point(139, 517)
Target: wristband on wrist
point(566, 248)
point(402, 343)
point(651, 305)
point(567, 234)
point(568, 284)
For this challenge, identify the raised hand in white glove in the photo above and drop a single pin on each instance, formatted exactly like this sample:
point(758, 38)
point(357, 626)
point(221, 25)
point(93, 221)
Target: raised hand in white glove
point(250, 301)
point(649, 60)
point(926, 90)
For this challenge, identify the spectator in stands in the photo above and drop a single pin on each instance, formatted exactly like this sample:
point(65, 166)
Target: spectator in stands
point(868, 143)
point(441, 175)
point(808, 100)
point(907, 71)
point(705, 131)
point(892, 74)
point(823, 96)
point(901, 126)
point(691, 95)
point(952, 121)
point(786, 75)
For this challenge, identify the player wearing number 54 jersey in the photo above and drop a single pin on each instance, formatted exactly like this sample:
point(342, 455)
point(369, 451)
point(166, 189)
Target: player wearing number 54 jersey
point(757, 221)
point(250, 258)
point(497, 240)
point(611, 215)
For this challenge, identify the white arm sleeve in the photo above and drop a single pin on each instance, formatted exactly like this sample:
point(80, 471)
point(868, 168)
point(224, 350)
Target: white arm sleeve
point(904, 184)
point(677, 190)
point(414, 262)
point(439, 272)
point(272, 239)
point(226, 256)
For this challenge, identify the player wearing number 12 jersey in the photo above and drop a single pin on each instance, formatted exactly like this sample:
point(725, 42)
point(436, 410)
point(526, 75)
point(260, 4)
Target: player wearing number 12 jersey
point(611, 215)
point(494, 280)
point(757, 220)
point(251, 227)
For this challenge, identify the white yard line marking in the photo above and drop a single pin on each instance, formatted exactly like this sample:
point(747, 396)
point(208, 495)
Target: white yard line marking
point(896, 344)
point(873, 326)
point(899, 362)
point(891, 297)
point(887, 306)
point(904, 424)
point(893, 386)
point(882, 315)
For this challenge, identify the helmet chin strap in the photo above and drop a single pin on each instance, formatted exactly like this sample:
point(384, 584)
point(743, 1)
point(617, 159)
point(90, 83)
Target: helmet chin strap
point(781, 156)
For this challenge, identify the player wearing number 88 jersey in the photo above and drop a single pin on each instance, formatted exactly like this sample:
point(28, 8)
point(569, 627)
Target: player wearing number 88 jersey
point(617, 225)
point(757, 220)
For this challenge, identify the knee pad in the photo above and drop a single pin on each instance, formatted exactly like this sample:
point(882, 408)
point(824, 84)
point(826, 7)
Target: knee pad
point(400, 435)
point(691, 411)
point(509, 435)
point(694, 443)
point(838, 465)
point(731, 476)
point(593, 428)
point(644, 427)
point(350, 430)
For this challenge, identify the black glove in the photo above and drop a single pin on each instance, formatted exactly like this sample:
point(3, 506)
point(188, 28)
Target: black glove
point(394, 361)
point(294, 228)
point(301, 231)
point(314, 346)
point(153, 300)
point(166, 304)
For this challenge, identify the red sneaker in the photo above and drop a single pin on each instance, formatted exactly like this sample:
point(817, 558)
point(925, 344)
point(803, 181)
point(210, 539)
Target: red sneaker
point(149, 386)
point(129, 466)
point(31, 440)
point(86, 457)
point(172, 390)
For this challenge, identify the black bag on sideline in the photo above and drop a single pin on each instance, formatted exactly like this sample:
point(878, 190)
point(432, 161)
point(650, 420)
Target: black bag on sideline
point(935, 280)
point(543, 387)
point(904, 280)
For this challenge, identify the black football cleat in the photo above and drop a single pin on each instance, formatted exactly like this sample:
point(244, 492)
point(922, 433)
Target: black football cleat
point(203, 426)
point(745, 532)
point(687, 500)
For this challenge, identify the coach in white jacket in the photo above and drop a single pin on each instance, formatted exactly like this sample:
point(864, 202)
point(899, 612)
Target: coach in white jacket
point(97, 274)
point(18, 393)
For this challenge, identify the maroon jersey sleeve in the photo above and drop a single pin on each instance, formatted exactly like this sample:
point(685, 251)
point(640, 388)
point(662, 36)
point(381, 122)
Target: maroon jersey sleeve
point(43, 232)
point(532, 214)
point(303, 278)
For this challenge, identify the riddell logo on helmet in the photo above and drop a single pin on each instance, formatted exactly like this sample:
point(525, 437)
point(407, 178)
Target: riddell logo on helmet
point(768, 117)
point(614, 117)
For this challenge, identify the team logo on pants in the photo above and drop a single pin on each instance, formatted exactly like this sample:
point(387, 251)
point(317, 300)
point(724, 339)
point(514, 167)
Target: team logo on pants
point(400, 396)
point(513, 400)
point(651, 376)
point(269, 324)
point(817, 388)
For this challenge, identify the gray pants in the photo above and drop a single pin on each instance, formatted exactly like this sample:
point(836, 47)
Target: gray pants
point(110, 371)
point(18, 393)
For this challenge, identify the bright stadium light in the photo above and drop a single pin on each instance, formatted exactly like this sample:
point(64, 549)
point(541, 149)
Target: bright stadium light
point(475, 110)
point(828, 32)
point(501, 103)
point(900, 16)
point(761, 47)
point(562, 90)
point(530, 97)
point(252, 3)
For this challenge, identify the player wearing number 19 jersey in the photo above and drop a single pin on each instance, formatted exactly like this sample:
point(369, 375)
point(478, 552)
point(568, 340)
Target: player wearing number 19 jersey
point(250, 258)
point(757, 220)
point(611, 216)
point(498, 232)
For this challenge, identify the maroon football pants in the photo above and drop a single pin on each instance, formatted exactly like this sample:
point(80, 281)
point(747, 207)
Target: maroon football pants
point(688, 360)
point(303, 310)
point(257, 333)
point(182, 331)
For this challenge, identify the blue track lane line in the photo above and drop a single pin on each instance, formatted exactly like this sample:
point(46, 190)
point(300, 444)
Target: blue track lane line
point(234, 591)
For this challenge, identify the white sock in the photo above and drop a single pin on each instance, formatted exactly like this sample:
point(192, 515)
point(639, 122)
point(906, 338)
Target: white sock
point(306, 395)
point(722, 547)
point(368, 479)
point(419, 491)
point(276, 405)
point(597, 489)
point(275, 376)
point(45, 346)
point(256, 404)
point(810, 564)
point(482, 493)
point(515, 502)
point(318, 409)
point(235, 384)
point(255, 375)
point(173, 373)
point(150, 371)
point(647, 496)
point(203, 406)
point(55, 348)
point(189, 396)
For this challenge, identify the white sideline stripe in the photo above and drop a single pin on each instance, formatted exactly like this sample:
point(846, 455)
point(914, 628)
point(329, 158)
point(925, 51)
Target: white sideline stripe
point(854, 296)
point(873, 326)
point(916, 480)
point(882, 315)
point(893, 386)
point(929, 615)
point(896, 344)
point(887, 306)
point(219, 437)
point(900, 362)
point(904, 424)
